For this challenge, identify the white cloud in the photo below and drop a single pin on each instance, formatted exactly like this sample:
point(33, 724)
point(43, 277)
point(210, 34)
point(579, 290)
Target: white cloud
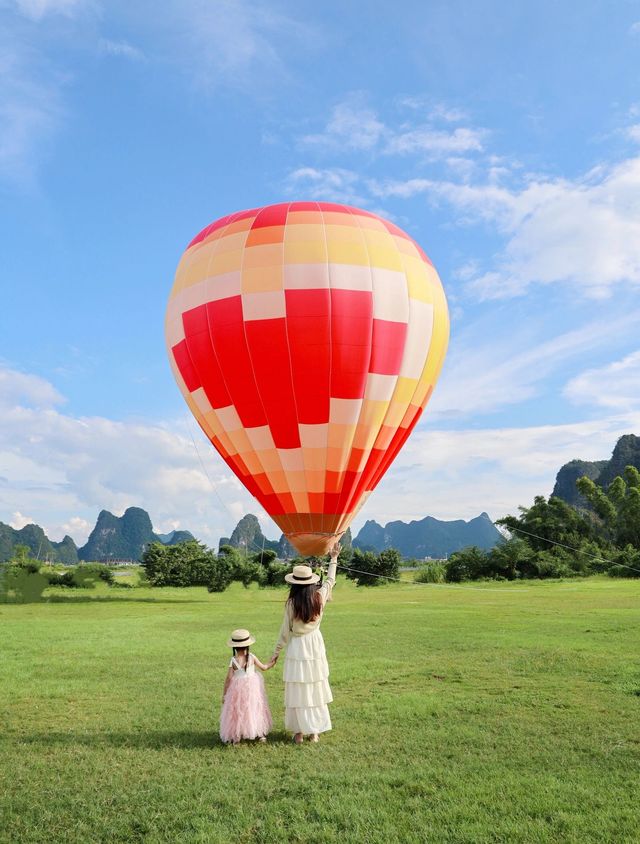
point(18, 521)
point(447, 113)
point(355, 126)
point(218, 43)
point(436, 142)
point(36, 10)
point(77, 527)
point(30, 110)
point(485, 377)
point(23, 387)
point(352, 125)
point(585, 232)
point(119, 48)
point(435, 112)
point(238, 44)
point(615, 386)
point(330, 184)
point(633, 133)
point(458, 474)
point(53, 465)
point(634, 29)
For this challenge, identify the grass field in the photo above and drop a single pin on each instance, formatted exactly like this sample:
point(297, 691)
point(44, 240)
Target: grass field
point(486, 713)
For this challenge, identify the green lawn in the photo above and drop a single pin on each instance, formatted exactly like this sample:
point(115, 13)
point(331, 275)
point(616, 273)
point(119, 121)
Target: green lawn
point(486, 713)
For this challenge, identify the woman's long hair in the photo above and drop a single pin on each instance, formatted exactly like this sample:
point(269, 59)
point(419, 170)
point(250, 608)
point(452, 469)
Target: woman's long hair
point(305, 601)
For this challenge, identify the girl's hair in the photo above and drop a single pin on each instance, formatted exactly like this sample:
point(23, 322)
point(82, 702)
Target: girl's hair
point(305, 601)
point(244, 648)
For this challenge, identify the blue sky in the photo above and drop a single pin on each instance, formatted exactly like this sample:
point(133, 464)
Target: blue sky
point(502, 136)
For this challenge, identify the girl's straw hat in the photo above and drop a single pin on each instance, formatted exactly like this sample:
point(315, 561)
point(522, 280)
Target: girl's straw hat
point(302, 576)
point(240, 638)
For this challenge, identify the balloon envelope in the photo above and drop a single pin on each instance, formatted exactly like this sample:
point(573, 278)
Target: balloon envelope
point(306, 338)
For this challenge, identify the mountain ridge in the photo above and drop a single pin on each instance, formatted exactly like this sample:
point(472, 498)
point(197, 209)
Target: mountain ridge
point(626, 452)
point(112, 538)
point(428, 537)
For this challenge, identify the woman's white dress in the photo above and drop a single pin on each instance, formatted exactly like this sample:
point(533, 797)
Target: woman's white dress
point(306, 672)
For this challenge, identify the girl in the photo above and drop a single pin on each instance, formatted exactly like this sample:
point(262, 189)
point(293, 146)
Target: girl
point(245, 710)
point(306, 687)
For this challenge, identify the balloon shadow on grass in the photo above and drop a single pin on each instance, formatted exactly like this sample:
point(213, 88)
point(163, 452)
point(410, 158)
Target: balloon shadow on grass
point(148, 740)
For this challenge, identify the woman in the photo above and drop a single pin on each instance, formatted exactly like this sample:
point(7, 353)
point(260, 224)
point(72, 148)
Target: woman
point(306, 685)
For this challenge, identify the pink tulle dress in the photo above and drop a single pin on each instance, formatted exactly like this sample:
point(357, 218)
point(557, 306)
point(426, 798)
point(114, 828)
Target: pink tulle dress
point(245, 712)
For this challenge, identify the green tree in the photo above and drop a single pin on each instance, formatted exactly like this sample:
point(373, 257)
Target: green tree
point(186, 564)
point(369, 569)
point(221, 573)
point(21, 582)
point(512, 558)
point(276, 573)
point(467, 564)
point(617, 507)
point(430, 572)
point(264, 557)
point(547, 523)
point(626, 563)
point(236, 565)
point(21, 553)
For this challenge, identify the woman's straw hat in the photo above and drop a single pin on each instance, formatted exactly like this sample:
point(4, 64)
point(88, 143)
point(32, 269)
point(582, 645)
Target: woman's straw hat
point(302, 576)
point(240, 638)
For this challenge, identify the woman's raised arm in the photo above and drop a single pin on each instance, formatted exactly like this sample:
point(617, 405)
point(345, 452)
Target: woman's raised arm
point(333, 562)
point(330, 579)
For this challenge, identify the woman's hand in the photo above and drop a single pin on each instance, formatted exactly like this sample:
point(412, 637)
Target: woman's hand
point(335, 551)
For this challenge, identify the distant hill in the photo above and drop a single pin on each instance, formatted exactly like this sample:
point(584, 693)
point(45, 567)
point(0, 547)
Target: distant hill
point(428, 537)
point(40, 546)
point(113, 538)
point(175, 537)
point(602, 472)
point(247, 535)
point(125, 537)
point(565, 486)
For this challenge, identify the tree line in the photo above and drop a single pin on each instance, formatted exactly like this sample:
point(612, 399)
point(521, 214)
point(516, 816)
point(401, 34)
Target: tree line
point(193, 564)
point(553, 539)
point(549, 539)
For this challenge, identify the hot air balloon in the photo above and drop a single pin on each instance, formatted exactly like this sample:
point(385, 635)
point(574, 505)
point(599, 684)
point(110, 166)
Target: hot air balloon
point(306, 338)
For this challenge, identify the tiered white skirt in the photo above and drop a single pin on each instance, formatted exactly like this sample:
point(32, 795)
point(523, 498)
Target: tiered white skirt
point(306, 685)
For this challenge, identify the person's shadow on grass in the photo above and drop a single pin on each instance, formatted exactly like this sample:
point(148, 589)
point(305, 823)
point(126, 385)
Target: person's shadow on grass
point(147, 739)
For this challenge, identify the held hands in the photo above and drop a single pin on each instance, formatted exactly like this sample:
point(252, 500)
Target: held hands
point(272, 661)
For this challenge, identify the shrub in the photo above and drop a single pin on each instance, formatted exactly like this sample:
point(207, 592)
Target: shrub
point(626, 563)
point(221, 574)
point(369, 569)
point(554, 563)
point(620, 571)
point(265, 557)
point(466, 564)
point(184, 564)
point(20, 584)
point(85, 574)
point(82, 576)
point(430, 573)
point(511, 558)
point(251, 572)
point(60, 578)
point(275, 574)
